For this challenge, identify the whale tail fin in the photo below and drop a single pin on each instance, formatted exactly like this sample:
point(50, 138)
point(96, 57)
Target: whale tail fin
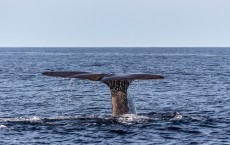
point(118, 84)
point(103, 77)
point(75, 74)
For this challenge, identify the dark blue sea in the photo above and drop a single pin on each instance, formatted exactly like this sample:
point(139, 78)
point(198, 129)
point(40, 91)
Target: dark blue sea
point(190, 106)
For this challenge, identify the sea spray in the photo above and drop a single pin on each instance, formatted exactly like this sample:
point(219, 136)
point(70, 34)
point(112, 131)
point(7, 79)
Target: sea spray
point(131, 101)
point(71, 82)
point(132, 106)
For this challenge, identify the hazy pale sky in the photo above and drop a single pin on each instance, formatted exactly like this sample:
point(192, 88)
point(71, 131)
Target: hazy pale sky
point(114, 23)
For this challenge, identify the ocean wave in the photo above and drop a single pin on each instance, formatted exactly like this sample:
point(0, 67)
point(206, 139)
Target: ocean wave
point(124, 119)
point(2, 126)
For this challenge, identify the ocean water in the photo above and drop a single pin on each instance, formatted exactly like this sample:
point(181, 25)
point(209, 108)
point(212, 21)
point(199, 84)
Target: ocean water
point(190, 106)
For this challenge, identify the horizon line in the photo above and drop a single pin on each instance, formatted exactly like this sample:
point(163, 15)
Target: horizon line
point(116, 47)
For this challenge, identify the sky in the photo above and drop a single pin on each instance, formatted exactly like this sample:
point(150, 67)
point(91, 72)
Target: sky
point(114, 23)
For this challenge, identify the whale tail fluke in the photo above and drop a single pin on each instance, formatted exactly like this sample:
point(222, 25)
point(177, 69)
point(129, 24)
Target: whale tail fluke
point(103, 77)
point(118, 84)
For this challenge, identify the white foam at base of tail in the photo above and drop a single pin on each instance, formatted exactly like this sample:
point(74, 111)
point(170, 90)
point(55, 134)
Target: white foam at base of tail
point(131, 105)
point(132, 118)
